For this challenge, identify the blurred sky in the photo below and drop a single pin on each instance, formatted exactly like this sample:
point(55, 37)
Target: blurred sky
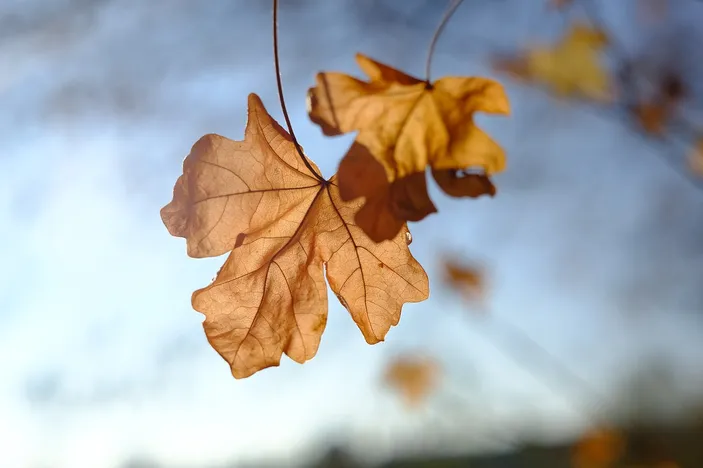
point(594, 245)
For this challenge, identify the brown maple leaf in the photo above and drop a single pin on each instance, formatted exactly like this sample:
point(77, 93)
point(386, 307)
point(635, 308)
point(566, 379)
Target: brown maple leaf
point(283, 225)
point(405, 125)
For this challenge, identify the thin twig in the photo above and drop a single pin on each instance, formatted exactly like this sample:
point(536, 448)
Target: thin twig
point(279, 83)
point(438, 32)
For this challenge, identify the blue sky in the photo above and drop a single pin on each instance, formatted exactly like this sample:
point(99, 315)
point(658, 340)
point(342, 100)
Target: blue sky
point(593, 243)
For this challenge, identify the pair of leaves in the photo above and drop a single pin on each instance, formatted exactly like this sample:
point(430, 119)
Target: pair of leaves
point(286, 227)
point(569, 68)
point(405, 125)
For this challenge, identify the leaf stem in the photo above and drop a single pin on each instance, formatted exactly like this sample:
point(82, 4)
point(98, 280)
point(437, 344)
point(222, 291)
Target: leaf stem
point(438, 32)
point(279, 83)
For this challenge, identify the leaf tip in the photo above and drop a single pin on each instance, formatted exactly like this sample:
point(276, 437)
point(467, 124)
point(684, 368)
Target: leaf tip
point(246, 372)
point(254, 99)
point(361, 58)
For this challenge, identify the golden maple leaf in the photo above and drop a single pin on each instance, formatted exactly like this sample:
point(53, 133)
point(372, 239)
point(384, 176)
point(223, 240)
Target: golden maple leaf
point(413, 377)
point(569, 68)
point(406, 125)
point(282, 224)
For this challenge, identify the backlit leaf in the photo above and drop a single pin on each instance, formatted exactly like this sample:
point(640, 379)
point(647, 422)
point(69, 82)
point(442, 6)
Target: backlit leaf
point(285, 229)
point(406, 125)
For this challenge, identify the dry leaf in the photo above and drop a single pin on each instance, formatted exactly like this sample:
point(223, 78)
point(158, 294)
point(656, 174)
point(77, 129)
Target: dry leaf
point(406, 124)
point(598, 449)
point(570, 68)
point(466, 279)
point(464, 184)
point(413, 377)
point(387, 205)
point(282, 225)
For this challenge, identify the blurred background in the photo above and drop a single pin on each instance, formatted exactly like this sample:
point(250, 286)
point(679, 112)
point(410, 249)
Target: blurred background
point(566, 330)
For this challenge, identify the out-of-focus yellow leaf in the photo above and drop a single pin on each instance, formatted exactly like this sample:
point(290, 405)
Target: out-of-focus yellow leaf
point(569, 68)
point(413, 377)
